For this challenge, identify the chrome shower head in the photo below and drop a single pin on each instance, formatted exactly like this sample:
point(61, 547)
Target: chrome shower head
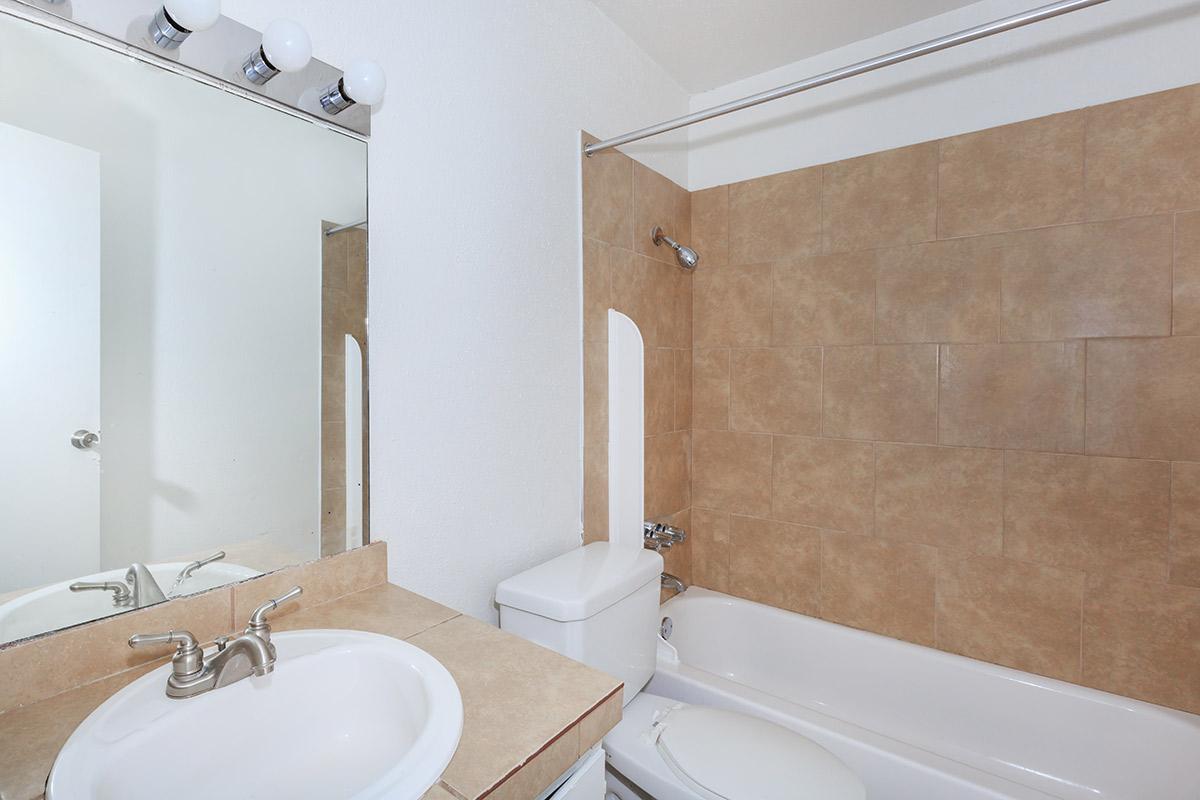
point(686, 256)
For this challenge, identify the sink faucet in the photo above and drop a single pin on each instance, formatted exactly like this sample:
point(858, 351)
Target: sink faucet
point(121, 596)
point(189, 569)
point(234, 659)
point(145, 589)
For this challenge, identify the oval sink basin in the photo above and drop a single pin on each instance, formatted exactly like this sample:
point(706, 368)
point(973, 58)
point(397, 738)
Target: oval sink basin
point(56, 606)
point(345, 714)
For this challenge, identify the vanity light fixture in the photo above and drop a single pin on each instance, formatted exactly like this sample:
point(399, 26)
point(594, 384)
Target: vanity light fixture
point(362, 82)
point(285, 48)
point(175, 20)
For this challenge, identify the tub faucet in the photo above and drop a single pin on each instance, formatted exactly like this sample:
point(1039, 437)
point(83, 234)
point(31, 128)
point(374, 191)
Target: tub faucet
point(673, 583)
point(658, 536)
point(249, 654)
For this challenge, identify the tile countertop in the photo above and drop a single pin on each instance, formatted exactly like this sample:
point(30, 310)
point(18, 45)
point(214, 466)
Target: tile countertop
point(529, 713)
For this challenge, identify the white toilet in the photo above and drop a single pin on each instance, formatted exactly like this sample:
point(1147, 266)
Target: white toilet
point(599, 605)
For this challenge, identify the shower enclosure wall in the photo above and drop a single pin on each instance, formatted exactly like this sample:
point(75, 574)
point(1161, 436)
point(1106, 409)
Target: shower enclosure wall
point(949, 393)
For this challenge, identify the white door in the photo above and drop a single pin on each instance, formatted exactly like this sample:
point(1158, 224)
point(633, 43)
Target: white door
point(49, 358)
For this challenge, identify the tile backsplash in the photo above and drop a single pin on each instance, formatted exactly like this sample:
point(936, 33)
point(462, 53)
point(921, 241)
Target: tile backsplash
point(948, 393)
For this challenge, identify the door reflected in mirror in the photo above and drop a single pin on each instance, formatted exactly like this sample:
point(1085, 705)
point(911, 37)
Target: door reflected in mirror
point(175, 335)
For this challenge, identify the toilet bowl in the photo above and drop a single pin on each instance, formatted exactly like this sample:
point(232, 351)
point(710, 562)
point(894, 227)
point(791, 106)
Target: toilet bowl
point(599, 604)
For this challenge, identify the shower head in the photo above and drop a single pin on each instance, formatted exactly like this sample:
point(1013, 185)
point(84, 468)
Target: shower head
point(686, 256)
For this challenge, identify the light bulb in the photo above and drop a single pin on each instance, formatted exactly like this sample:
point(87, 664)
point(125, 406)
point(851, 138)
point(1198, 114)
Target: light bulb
point(175, 20)
point(194, 15)
point(364, 81)
point(287, 46)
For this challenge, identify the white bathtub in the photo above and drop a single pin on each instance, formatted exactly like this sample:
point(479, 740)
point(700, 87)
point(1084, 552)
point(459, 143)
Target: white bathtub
point(920, 724)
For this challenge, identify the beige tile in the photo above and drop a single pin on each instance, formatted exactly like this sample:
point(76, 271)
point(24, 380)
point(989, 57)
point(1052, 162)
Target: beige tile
point(595, 391)
point(671, 296)
point(634, 279)
point(939, 292)
point(732, 472)
point(710, 539)
point(824, 300)
point(1185, 524)
point(599, 721)
point(536, 775)
point(683, 389)
point(732, 307)
point(1185, 313)
point(1143, 398)
point(1143, 155)
point(333, 388)
point(39, 668)
point(1096, 514)
point(1024, 175)
point(384, 609)
point(438, 792)
point(878, 585)
point(659, 389)
point(949, 497)
point(597, 290)
point(677, 560)
point(710, 226)
point(776, 390)
point(657, 201)
point(885, 392)
point(595, 492)
point(710, 382)
point(1098, 279)
point(775, 217)
point(335, 255)
point(667, 476)
point(823, 483)
point(1024, 616)
point(608, 198)
point(515, 678)
point(776, 563)
point(882, 199)
point(1139, 640)
point(333, 521)
point(333, 455)
point(322, 581)
point(1026, 396)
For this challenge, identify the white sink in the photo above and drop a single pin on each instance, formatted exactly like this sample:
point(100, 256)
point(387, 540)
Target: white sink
point(345, 714)
point(56, 606)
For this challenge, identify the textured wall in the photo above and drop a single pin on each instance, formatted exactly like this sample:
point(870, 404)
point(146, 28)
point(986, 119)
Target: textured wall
point(623, 269)
point(950, 393)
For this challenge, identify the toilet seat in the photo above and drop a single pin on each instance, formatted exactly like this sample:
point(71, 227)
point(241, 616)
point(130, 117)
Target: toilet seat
point(675, 751)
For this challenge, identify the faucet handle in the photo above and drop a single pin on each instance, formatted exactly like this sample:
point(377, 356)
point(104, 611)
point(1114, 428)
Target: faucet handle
point(258, 620)
point(190, 568)
point(188, 658)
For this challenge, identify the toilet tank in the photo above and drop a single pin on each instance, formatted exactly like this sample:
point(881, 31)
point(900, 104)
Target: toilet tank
point(597, 604)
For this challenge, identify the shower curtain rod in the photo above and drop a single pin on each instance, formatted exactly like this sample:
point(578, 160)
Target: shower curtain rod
point(895, 57)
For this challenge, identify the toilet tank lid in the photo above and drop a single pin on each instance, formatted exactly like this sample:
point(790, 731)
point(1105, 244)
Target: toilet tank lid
point(582, 582)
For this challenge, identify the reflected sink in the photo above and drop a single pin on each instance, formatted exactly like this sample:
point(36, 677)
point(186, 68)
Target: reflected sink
point(345, 714)
point(56, 606)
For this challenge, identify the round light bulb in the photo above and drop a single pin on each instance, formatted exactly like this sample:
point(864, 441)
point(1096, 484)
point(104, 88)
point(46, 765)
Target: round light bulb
point(287, 46)
point(364, 81)
point(194, 15)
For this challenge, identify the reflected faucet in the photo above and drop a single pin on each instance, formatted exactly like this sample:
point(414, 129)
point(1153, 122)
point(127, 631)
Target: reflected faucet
point(145, 590)
point(188, 570)
point(121, 595)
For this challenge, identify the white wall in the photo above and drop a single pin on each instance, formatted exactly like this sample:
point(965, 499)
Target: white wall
point(1112, 51)
point(475, 307)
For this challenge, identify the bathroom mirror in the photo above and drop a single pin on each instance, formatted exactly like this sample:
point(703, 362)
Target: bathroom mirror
point(183, 348)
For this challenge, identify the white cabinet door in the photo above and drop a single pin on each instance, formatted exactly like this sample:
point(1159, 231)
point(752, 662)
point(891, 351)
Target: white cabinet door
point(49, 358)
point(586, 782)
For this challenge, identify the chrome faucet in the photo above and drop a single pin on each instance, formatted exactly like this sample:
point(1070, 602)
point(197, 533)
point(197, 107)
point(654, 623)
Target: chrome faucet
point(234, 659)
point(658, 536)
point(121, 594)
point(669, 581)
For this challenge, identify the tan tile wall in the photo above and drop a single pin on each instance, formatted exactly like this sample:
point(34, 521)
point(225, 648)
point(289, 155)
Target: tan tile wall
point(622, 269)
point(343, 311)
point(948, 393)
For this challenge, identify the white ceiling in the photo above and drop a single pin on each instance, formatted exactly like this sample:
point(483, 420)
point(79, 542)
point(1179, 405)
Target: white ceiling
point(708, 43)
